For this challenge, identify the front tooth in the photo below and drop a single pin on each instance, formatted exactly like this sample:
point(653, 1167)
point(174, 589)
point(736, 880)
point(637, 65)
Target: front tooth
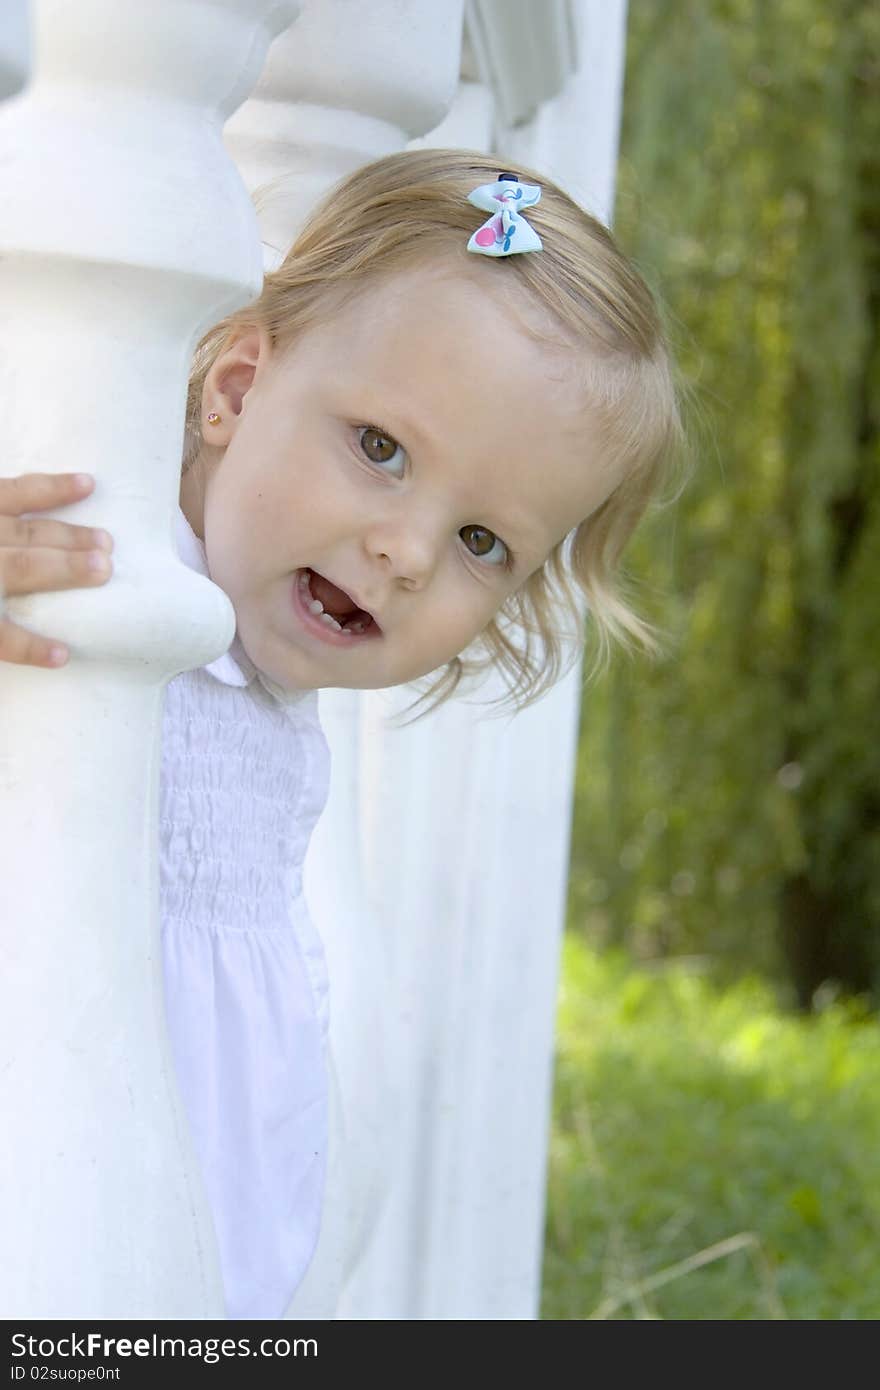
point(316, 605)
point(329, 619)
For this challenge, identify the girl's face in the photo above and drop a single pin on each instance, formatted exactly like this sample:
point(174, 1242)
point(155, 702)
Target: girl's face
point(418, 449)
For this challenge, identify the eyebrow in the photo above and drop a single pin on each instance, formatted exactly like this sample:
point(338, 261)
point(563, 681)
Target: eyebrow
point(520, 534)
point(410, 428)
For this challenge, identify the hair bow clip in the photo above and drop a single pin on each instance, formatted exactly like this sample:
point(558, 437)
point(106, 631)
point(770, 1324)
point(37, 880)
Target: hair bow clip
point(506, 232)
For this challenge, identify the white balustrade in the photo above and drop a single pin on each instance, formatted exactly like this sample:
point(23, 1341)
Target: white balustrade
point(350, 81)
point(124, 232)
point(437, 875)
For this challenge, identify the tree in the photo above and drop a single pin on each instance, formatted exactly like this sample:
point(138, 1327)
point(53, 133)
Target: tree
point(729, 795)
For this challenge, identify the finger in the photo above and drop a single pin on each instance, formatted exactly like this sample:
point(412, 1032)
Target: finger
point(39, 570)
point(33, 492)
point(22, 532)
point(23, 648)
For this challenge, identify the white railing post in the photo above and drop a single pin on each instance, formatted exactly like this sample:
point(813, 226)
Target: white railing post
point(124, 232)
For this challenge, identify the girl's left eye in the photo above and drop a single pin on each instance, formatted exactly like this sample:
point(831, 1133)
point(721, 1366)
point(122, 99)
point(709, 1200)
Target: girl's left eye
point(380, 448)
point(504, 558)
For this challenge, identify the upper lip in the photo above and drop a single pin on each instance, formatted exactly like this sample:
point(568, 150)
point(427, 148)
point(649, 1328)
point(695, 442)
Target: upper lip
point(353, 596)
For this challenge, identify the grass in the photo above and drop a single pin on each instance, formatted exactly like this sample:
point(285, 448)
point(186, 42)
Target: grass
point(711, 1157)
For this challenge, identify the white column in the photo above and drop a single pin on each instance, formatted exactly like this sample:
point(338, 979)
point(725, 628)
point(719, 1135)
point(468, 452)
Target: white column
point(349, 81)
point(352, 80)
point(466, 826)
point(124, 232)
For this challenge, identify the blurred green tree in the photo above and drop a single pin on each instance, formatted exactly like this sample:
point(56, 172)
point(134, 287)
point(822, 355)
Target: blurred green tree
point(728, 800)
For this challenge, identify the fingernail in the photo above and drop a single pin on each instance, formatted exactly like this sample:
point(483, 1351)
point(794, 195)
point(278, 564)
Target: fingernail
point(82, 480)
point(104, 540)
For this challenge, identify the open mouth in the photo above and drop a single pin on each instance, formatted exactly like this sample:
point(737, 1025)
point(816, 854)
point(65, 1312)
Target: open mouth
point(329, 612)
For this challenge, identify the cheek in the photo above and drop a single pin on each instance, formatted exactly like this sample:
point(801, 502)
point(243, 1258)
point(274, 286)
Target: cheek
point(462, 619)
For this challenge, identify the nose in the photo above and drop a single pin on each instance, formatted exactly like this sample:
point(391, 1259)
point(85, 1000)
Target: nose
point(406, 548)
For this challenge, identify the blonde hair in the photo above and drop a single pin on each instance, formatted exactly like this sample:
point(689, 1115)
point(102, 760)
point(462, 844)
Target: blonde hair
point(405, 208)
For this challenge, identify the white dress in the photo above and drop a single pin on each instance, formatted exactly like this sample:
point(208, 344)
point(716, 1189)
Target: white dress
point(245, 776)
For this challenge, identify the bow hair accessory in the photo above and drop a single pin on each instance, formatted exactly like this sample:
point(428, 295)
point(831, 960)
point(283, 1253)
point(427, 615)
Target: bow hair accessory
point(506, 231)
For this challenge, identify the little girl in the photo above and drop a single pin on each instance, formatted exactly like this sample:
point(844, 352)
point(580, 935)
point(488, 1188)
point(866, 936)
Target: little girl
point(385, 454)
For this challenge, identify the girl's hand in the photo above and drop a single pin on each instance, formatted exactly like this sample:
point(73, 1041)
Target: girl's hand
point(38, 555)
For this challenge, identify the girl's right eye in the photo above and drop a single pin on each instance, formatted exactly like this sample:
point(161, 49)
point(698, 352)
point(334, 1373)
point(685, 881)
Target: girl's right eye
point(378, 445)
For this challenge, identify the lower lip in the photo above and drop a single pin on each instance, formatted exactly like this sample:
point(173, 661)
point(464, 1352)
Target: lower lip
point(313, 624)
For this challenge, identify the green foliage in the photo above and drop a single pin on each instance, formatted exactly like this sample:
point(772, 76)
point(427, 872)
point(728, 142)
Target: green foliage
point(711, 1158)
point(728, 796)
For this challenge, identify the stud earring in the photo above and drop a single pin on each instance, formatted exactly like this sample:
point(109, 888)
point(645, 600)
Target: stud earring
point(213, 418)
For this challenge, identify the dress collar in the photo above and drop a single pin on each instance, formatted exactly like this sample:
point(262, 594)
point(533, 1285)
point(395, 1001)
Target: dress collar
point(234, 667)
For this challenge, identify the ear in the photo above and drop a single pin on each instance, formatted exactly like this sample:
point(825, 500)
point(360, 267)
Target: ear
point(234, 373)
